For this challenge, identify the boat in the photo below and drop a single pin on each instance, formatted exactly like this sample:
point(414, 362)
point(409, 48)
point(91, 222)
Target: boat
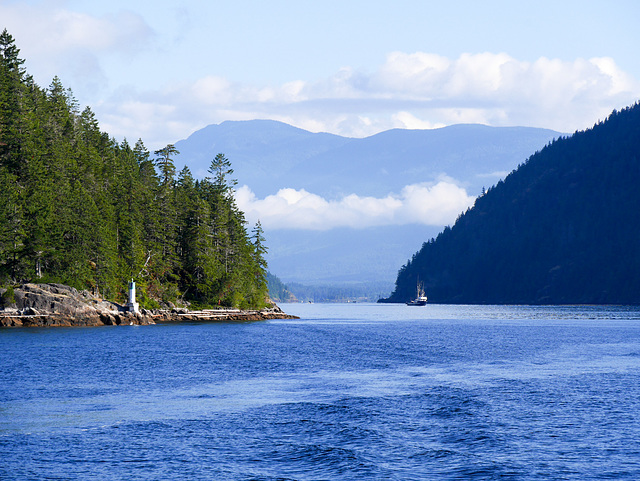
point(421, 298)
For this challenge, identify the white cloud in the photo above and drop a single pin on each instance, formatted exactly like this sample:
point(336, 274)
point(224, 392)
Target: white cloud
point(430, 204)
point(56, 41)
point(619, 81)
point(46, 30)
point(213, 91)
point(405, 120)
point(418, 90)
point(98, 57)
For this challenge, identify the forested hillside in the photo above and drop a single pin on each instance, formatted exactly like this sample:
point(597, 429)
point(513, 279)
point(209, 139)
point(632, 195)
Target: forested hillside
point(562, 228)
point(79, 208)
point(278, 291)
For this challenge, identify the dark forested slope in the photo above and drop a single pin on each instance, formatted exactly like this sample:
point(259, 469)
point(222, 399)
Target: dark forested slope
point(564, 227)
point(79, 208)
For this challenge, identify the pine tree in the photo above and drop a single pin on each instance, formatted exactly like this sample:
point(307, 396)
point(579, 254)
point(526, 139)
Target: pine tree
point(165, 262)
point(77, 207)
point(11, 95)
point(259, 266)
point(12, 232)
point(164, 162)
point(221, 170)
point(129, 215)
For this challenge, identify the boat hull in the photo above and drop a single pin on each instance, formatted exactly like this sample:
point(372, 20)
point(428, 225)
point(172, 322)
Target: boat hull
point(417, 302)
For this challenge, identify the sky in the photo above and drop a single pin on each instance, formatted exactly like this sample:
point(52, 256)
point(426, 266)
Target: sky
point(160, 70)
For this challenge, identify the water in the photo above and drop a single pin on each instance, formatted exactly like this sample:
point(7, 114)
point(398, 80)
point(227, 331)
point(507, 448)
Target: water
point(348, 392)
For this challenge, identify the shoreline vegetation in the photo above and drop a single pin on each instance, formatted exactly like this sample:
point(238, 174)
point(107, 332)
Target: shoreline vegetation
point(58, 305)
point(562, 228)
point(79, 208)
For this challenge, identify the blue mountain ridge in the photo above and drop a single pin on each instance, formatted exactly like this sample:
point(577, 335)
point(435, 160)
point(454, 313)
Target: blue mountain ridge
point(268, 155)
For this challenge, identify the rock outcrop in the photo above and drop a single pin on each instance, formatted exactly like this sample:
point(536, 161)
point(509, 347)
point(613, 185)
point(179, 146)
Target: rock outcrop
point(58, 305)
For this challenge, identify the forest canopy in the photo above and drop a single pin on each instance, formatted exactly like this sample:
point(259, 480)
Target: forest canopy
point(79, 208)
point(563, 228)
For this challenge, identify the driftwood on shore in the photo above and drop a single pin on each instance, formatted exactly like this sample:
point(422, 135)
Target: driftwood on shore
point(57, 305)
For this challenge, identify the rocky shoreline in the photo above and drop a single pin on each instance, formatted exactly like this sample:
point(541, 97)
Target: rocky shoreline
point(57, 305)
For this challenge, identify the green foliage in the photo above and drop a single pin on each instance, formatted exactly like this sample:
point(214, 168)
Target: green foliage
point(278, 291)
point(562, 228)
point(9, 296)
point(77, 207)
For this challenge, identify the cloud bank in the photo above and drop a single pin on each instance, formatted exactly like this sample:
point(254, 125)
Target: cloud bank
point(418, 90)
point(75, 46)
point(102, 59)
point(429, 204)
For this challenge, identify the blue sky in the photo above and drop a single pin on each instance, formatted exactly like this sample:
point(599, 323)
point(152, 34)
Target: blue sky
point(159, 70)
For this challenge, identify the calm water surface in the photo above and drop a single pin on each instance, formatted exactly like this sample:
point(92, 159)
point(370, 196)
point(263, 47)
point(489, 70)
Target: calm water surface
point(348, 392)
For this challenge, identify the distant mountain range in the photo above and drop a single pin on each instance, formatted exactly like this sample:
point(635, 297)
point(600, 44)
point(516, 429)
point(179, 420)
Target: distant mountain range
point(561, 229)
point(268, 155)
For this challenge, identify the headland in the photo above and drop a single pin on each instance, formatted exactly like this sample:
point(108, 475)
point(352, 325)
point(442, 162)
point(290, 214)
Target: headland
point(58, 305)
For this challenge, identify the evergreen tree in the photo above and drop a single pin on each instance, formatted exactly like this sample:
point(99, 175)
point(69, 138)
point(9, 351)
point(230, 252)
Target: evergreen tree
point(11, 97)
point(77, 207)
point(259, 265)
point(12, 232)
point(165, 262)
point(221, 170)
point(164, 161)
point(560, 229)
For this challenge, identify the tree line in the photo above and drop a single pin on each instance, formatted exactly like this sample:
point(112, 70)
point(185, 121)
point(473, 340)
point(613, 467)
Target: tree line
point(79, 208)
point(562, 228)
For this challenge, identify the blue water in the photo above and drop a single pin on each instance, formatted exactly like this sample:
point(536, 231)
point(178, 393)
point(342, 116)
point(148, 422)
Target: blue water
point(347, 392)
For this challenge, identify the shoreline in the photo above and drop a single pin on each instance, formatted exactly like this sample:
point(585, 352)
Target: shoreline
point(58, 305)
point(140, 319)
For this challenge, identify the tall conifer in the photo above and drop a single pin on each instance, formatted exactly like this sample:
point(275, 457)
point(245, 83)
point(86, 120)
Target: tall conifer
point(79, 208)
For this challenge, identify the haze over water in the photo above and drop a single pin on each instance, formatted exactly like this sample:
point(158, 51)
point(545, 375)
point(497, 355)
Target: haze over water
point(346, 392)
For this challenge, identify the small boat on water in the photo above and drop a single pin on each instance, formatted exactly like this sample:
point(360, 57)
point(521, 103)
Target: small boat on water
point(421, 298)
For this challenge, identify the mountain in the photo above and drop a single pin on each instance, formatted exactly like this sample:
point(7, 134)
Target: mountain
point(262, 152)
point(268, 155)
point(563, 228)
point(278, 292)
point(474, 155)
point(344, 256)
